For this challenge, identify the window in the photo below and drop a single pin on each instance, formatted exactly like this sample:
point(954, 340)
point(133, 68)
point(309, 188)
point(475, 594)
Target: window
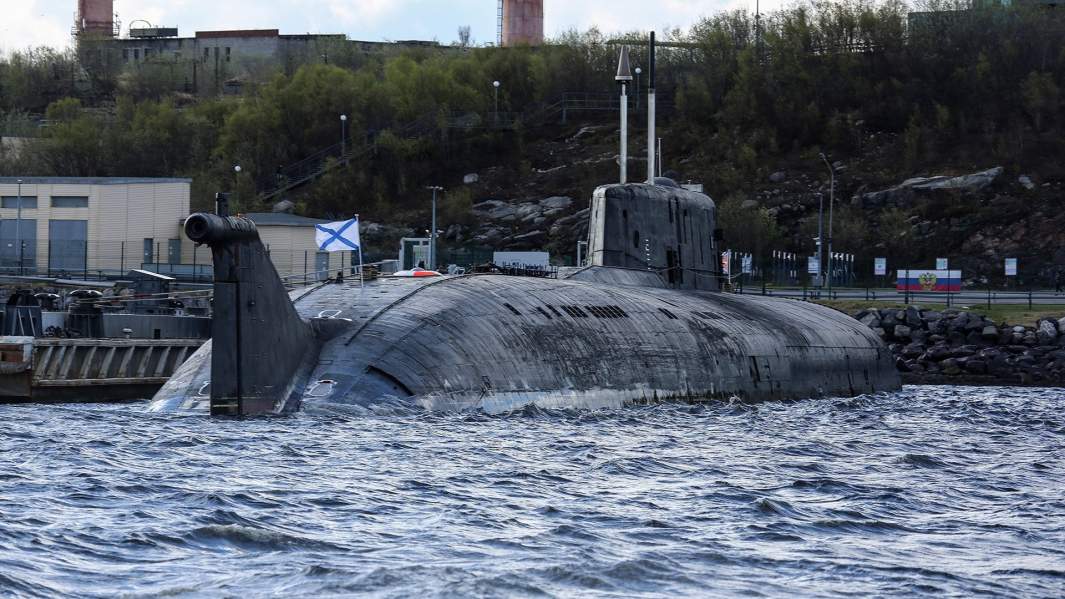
point(147, 53)
point(125, 54)
point(636, 239)
point(136, 54)
point(228, 54)
point(206, 54)
point(28, 202)
point(70, 202)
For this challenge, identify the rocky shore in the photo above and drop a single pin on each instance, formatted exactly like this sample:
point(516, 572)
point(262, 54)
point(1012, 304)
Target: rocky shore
point(960, 347)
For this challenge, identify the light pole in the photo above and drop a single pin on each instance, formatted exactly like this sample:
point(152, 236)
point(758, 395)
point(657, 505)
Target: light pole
point(343, 134)
point(432, 232)
point(18, 225)
point(638, 72)
point(623, 77)
point(236, 185)
point(496, 85)
point(831, 204)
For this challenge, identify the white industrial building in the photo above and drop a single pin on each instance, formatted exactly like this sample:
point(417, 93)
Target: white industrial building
point(104, 226)
point(72, 226)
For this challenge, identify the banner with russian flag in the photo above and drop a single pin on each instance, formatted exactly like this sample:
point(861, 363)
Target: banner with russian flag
point(946, 281)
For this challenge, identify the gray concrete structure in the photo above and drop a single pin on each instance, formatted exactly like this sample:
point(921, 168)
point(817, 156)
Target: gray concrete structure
point(606, 335)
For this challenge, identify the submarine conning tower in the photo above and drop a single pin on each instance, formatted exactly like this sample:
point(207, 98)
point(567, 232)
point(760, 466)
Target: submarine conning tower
point(663, 228)
point(255, 330)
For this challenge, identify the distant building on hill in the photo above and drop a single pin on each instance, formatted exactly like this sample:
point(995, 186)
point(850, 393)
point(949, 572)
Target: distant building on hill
point(217, 62)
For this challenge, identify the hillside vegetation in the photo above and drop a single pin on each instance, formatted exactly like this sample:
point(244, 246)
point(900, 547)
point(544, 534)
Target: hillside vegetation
point(750, 105)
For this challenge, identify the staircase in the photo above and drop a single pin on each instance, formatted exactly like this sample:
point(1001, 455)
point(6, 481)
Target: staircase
point(327, 159)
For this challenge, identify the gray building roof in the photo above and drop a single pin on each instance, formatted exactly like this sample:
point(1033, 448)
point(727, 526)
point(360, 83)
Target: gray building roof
point(89, 180)
point(281, 219)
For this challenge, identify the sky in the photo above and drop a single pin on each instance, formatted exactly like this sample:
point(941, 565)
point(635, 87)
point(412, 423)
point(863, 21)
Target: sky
point(27, 23)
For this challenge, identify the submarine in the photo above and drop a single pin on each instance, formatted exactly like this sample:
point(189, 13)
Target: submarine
point(645, 321)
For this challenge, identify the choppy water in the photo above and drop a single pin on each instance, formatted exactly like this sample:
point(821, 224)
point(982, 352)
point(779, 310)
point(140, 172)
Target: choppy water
point(926, 491)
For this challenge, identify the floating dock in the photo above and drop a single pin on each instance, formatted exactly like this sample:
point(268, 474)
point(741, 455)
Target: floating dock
point(56, 370)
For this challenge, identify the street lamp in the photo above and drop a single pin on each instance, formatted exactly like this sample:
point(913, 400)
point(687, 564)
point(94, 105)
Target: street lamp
point(343, 133)
point(236, 185)
point(18, 226)
point(496, 85)
point(831, 203)
point(432, 233)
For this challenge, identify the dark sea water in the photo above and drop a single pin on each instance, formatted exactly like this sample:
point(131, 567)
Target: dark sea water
point(929, 491)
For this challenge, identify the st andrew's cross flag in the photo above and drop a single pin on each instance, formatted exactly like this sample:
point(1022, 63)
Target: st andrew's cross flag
point(338, 237)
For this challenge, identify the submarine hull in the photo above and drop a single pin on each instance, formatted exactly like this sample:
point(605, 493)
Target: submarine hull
point(645, 322)
point(497, 343)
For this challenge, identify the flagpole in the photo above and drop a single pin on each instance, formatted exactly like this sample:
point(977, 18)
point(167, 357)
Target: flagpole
point(358, 225)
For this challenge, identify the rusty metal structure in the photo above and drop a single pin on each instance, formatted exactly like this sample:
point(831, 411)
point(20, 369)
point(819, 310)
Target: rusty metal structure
point(96, 18)
point(521, 22)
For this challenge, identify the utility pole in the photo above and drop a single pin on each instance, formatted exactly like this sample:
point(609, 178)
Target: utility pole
point(18, 226)
point(432, 232)
point(831, 204)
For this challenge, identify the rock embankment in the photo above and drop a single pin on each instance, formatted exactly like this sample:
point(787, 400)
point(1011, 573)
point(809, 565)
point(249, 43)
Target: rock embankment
point(956, 346)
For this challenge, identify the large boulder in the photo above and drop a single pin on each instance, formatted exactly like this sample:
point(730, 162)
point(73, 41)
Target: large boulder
point(495, 210)
point(556, 203)
point(905, 190)
point(1046, 332)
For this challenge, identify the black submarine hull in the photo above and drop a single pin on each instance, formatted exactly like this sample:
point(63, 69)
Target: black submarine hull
point(498, 343)
point(644, 323)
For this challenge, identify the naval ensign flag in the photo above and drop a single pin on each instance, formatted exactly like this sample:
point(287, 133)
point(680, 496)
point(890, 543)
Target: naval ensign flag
point(340, 237)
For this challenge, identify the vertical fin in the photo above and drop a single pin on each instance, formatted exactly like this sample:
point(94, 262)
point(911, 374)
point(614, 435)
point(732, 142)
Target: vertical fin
point(258, 339)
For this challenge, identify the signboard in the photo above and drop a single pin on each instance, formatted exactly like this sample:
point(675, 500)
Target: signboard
point(813, 267)
point(941, 264)
point(880, 267)
point(748, 264)
point(929, 280)
point(726, 262)
point(1011, 267)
